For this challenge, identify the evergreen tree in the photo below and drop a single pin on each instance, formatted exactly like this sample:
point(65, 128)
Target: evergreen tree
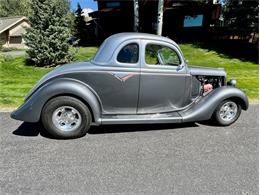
point(80, 26)
point(242, 16)
point(48, 34)
point(14, 8)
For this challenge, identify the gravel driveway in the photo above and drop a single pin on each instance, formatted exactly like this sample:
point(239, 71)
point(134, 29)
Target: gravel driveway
point(132, 159)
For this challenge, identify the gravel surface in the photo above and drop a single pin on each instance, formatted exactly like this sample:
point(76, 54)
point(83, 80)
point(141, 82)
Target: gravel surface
point(132, 159)
point(13, 53)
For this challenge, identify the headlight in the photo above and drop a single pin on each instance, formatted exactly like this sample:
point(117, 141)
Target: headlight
point(232, 82)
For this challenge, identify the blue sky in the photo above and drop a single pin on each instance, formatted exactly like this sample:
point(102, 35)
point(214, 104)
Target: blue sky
point(84, 4)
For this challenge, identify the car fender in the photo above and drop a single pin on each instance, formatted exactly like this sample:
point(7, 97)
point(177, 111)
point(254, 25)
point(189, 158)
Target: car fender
point(205, 106)
point(30, 111)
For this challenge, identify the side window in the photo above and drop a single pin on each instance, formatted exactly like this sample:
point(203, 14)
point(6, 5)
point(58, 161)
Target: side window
point(129, 54)
point(161, 55)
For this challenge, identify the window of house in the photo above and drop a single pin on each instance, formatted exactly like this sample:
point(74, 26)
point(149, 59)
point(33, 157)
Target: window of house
point(15, 40)
point(112, 4)
point(161, 55)
point(193, 21)
point(129, 54)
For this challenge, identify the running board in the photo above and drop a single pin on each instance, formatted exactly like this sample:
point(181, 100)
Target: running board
point(173, 117)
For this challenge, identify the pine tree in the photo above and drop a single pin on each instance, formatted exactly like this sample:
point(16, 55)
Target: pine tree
point(48, 34)
point(242, 16)
point(14, 8)
point(80, 26)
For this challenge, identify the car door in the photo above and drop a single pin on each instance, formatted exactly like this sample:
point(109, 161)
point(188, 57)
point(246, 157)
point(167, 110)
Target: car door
point(117, 85)
point(163, 78)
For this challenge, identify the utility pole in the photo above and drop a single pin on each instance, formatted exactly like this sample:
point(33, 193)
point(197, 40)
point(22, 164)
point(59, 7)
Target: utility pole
point(136, 15)
point(160, 17)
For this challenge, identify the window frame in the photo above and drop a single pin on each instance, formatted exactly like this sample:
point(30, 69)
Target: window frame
point(118, 49)
point(127, 46)
point(164, 68)
point(163, 44)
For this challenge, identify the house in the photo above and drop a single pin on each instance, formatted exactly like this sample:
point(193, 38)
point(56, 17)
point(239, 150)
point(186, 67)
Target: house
point(85, 13)
point(182, 18)
point(11, 31)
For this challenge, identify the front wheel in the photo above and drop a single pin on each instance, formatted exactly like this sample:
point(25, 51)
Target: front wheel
point(66, 117)
point(227, 113)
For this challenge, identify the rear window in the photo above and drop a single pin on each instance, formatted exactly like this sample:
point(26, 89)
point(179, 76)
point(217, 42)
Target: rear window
point(129, 54)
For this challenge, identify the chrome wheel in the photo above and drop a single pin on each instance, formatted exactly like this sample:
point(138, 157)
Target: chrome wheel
point(66, 118)
point(228, 111)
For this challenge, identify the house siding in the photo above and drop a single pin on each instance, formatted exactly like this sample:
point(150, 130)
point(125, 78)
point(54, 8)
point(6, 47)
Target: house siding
point(3, 38)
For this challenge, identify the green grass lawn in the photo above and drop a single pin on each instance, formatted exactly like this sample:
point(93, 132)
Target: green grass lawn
point(246, 73)
point(16, 79)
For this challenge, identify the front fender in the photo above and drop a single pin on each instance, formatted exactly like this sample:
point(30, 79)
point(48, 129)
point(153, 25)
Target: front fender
point(205, 107)
point(30, 111)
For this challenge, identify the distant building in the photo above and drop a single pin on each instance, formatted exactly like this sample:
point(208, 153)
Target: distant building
point(182, 18)
point(11, 31)
point(85, 13)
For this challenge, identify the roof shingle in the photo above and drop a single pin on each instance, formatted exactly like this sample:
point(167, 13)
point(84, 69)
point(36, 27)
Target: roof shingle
point(8, 22)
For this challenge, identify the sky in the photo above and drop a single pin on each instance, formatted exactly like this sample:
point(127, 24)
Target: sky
point(84, 4)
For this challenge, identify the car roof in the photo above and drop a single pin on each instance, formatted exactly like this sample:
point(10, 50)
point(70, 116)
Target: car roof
point(108, 47)
point(136, 35)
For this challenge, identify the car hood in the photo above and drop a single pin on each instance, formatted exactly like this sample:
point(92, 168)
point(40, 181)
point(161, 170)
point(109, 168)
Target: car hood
point(61, 70)
point(194, 70)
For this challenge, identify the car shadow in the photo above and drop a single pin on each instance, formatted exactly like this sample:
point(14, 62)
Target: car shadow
point(36, 129)
point(27, 129)
point(209, 123)
point(31, 130)
point(104, 129)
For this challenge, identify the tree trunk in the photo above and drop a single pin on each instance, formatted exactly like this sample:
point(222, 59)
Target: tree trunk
point(136, 15)
point(160, 17)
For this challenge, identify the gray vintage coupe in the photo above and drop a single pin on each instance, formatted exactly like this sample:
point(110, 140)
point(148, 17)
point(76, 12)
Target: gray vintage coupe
point(134, 78)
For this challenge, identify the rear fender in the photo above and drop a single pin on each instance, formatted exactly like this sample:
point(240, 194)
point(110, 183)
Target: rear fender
point(205, 107)
point(30, 111)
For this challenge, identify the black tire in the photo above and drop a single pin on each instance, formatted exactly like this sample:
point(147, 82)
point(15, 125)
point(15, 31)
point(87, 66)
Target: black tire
point(66, 102)
point(216, 117)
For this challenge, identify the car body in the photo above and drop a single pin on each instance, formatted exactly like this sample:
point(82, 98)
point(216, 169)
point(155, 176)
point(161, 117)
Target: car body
point(134, 78)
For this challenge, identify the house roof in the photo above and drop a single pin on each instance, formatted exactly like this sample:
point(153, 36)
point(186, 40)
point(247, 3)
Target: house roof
point(8, 22)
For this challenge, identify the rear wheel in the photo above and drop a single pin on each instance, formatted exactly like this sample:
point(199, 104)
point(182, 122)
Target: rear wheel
point(227, 113)
point(66, 117)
